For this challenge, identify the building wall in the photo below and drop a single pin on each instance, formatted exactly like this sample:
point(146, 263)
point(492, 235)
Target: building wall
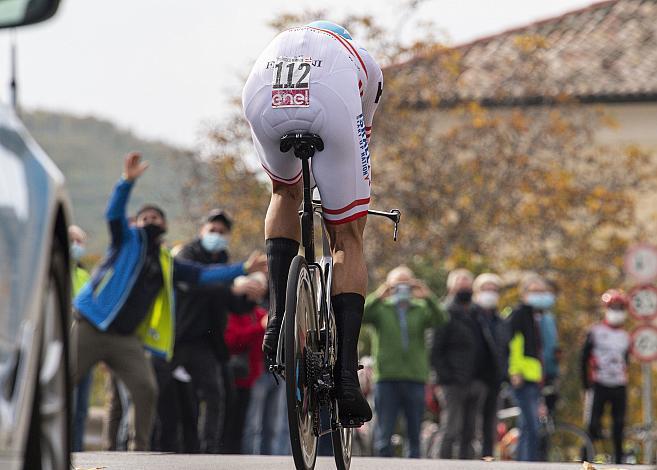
point(637, 125)
point(631, 124)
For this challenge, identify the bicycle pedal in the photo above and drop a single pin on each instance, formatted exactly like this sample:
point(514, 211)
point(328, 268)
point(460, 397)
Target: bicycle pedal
point(351, 422)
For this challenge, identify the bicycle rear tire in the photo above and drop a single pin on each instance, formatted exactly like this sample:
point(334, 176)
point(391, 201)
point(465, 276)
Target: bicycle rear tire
point(300, 318)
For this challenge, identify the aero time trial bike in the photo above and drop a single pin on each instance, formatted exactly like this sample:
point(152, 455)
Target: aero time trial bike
point(307, 348)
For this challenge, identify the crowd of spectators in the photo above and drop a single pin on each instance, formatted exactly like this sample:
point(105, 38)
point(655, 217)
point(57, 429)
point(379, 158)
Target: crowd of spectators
point(180, 332)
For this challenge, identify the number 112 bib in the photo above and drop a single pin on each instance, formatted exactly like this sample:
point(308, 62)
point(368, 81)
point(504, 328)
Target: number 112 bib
point(291, 83)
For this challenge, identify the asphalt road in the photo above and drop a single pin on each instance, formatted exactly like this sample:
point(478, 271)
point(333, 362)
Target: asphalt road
point(152, 461)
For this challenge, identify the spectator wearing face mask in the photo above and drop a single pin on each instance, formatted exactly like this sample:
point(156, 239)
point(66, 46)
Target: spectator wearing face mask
point(78, 248)
point(525, 360)
point(551, 352)
point(197, 307)
point(128, 303)
point(400, 311)
point(79, 276)
point(457, 352)
point(200, 355)
point(492, 368)
point(605, 358)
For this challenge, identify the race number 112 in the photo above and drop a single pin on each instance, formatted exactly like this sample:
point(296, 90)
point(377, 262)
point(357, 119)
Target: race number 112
point(298, 74)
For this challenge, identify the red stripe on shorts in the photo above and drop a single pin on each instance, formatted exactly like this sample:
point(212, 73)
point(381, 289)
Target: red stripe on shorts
point(351, 218)
point(357, 202)
point(287, 181)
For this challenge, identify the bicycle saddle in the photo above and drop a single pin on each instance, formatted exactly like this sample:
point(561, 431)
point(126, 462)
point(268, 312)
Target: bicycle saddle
point(304, 143)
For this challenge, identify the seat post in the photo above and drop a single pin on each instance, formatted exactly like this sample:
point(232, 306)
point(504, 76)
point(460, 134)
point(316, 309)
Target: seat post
point(307, 222)
point(305, 144)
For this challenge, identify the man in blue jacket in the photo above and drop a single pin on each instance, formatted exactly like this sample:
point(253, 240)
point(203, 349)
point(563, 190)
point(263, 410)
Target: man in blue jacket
point(128, 303)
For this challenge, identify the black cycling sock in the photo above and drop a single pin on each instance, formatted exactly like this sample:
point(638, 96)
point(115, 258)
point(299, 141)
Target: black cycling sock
point(280, 253)
point(348, 309)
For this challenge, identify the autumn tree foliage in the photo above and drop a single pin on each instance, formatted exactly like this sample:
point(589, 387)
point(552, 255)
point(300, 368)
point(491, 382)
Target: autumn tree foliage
point(507, 189)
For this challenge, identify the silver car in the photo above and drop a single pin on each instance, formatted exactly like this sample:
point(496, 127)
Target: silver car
point(35, 384)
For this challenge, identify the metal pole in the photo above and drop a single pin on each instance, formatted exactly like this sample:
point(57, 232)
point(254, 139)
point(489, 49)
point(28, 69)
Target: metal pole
point(13, 84)
point(648, 449)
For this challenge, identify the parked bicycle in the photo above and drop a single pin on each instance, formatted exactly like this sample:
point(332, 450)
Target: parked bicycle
point(559, 442)
point(307, 349)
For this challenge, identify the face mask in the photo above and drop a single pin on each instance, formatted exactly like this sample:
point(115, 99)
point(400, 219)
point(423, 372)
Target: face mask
point(214, 242)
point(615, 317)
point(487, 299)
point(153, 232)
point(77, 251)
point(402, 293)
point(463, 296)
point(540, 300)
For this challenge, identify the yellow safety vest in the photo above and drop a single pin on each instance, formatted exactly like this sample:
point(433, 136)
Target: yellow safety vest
point(157, 330)
point(79, 277)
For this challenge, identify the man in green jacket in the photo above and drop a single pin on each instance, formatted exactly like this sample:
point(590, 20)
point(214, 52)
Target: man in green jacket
point(400, 311)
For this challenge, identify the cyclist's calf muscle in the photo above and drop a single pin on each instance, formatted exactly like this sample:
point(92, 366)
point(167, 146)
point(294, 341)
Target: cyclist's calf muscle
point(349, 270)
point(282, 220)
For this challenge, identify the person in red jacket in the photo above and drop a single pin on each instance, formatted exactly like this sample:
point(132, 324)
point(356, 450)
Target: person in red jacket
point(244, 334)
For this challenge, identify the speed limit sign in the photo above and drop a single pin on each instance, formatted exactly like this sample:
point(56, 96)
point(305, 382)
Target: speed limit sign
point(641, 263)
point(643, 303)
point(644, 343)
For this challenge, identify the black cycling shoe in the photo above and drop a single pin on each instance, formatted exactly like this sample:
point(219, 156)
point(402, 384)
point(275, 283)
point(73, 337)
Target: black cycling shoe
point(270, 341)
point(353, 408)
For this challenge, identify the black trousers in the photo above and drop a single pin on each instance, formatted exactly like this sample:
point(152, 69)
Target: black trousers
point(617, 398)
point(489, 420)
point(235, 420)
point(177, 413)
point(180, 406)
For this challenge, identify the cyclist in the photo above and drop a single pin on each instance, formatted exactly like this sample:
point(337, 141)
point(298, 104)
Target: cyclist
point(604, 368)
point(316, 78)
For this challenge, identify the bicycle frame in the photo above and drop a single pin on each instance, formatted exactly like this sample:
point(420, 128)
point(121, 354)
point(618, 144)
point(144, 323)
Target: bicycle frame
point(323, 271)
point(321, 330)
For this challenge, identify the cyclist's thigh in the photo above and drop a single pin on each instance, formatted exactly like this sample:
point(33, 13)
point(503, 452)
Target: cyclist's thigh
point(342, 170)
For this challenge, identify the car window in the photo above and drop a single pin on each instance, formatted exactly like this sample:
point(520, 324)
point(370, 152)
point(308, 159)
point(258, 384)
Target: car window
point(21, 12)
point(12, 11)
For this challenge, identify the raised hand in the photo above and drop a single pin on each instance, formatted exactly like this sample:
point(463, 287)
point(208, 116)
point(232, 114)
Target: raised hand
point(257, 261)
point(420, 289)
point(133, 167)
point(252, 289)
point(384, 290)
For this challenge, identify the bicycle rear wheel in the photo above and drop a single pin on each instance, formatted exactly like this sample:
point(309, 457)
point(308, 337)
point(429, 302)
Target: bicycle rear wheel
point(568, 443)
point(341, 438)
point(300, 323)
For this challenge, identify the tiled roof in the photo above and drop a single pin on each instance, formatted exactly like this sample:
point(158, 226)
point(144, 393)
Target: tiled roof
point(605, 52)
